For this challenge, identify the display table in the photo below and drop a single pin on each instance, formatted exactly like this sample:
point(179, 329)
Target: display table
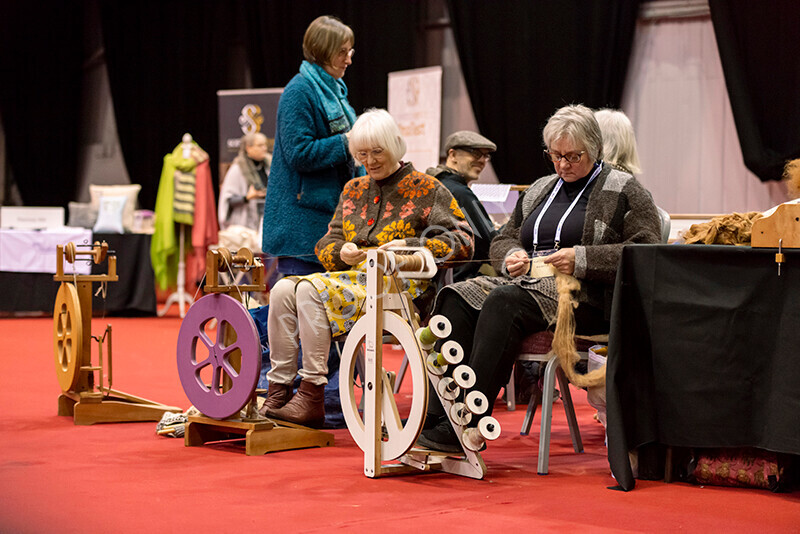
point(704, 351)
point(133, 294)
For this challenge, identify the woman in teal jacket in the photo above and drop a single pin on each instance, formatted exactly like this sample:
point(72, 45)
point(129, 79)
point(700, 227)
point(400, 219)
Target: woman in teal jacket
point(311, 161)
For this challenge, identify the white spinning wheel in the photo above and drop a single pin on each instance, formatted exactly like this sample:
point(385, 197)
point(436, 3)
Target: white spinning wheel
point(400, 437)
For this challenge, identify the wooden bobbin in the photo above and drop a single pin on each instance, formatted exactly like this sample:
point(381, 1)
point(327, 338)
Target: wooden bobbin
point(448, 389)
point(464, 376)
point(459, 414)
point(489, 427)
point(477, 403)
point(472, 439)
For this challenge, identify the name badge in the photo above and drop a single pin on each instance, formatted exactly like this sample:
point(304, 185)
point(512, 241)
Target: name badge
point(540, 269)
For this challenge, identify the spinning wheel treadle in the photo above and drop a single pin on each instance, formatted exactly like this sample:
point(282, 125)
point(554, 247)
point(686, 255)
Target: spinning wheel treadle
point(67, 336)
point(400, 437)
point(238, 361)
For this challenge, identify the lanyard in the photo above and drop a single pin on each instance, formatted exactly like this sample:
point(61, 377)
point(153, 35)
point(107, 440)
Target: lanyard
point(552, 196)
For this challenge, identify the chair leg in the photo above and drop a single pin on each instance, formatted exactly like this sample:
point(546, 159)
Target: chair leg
point(401, 373)
point(547, 416)
point(536, 400)
point(569, 410)
point(511, 394)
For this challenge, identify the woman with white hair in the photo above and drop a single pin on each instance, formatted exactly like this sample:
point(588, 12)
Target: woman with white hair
point(394, 205)
point(577, 220)
point(619, 142)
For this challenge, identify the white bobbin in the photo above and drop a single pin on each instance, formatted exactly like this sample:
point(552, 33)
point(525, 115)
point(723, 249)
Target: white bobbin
point(452, 352)
point(440, 326)
point(472, 439)
point(464, 376)
point(448, 389)
point(477, 402)
point(489, 428)
point(420, 335)
point(459, 414)
point(434, 367)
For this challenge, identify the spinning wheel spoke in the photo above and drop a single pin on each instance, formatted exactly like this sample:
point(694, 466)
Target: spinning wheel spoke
point(234, 356)
point(67, 336)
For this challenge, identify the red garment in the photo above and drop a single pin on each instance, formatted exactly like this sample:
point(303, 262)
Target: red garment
point(205, 228)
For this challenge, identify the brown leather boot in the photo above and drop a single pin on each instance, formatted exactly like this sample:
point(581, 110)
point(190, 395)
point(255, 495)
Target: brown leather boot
point(307, 407)
point(277, 396)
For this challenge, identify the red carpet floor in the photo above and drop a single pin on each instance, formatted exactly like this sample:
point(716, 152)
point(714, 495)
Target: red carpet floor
point(58, 477)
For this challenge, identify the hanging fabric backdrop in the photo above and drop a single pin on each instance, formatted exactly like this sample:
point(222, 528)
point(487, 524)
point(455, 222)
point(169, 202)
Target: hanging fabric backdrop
point(523, 60)
point(758, 47)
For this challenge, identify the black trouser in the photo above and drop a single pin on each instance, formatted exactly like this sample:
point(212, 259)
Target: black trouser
point(491, 337)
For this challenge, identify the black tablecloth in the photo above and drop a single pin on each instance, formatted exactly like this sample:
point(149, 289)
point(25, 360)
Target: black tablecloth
point(704, 351)
point(133, 294)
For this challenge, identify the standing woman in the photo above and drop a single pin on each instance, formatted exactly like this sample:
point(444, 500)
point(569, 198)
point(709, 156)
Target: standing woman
point(311, 161)
point(245, 181)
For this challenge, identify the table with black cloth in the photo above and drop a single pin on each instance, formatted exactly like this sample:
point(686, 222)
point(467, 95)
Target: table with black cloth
point(133, 295)
point(704, 351)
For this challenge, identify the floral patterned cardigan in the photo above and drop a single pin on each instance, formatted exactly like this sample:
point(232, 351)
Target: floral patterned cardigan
point(408, 205)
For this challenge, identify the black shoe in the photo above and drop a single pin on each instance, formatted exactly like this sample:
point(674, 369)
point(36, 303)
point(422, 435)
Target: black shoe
point(440, 438)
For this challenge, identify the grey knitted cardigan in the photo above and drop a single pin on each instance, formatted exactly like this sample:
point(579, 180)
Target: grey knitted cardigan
point(620, 211)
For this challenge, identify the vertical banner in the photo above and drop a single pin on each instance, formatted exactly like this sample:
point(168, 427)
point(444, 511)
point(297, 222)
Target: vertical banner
point(245, 111)
point(415, 101)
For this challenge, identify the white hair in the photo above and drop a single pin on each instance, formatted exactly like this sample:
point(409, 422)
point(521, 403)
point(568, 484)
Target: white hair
point(376, 128)
point(619, 142)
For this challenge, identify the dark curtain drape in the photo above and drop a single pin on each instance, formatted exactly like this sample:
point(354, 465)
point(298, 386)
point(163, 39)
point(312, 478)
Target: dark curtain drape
point(522, 60)
point(388, 37)
point(166, 60)
point(41, 54)
point(758, 44)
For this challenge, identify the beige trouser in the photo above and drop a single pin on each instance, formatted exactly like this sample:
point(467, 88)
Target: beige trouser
point(296, 314)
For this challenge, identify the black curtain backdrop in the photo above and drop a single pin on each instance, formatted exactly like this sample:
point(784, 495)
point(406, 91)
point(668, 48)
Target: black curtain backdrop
point(41, 53)
point(165, 61)
point(522, 60)
point(758, 43)
point(388, 38)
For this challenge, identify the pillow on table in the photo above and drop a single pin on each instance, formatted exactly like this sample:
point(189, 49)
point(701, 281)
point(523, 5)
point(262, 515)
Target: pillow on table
point(110, 214)
point(129, 191)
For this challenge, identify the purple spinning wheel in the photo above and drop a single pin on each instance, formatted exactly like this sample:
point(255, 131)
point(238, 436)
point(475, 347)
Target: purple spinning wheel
point(218, 367)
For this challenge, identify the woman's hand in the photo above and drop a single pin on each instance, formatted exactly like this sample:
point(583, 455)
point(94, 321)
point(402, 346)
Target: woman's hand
point(255, 193)
point(517, 263)
point(393, 243)
point(351, 254)
point(563, 260)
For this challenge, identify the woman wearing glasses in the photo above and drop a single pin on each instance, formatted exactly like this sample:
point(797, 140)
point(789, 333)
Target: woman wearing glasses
point(576, 220)
point(393, 205)
point(311, 161)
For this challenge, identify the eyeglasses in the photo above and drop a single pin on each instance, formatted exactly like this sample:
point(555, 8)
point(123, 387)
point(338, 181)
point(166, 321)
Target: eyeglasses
point(346, 53)
point(476, 152)
point(376, 153)
point(571, 157)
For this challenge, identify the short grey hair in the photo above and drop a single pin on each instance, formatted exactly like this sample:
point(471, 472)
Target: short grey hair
point(619, 142)
point(376, 128)
point(576, 123)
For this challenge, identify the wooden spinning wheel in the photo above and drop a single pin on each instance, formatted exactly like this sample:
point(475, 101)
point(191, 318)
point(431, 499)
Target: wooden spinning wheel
point(67, 336)
point(88, 400)
point(233, 358)
point(380, 433)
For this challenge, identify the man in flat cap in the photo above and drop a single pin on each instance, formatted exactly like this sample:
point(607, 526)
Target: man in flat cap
point(467, 155)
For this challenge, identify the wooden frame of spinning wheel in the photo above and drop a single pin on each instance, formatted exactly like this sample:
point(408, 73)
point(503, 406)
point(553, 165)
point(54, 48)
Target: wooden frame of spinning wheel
point(72, 332)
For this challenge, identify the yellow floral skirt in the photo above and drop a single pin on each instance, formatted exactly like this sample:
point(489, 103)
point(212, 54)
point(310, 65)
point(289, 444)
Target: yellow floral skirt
point(343, 293)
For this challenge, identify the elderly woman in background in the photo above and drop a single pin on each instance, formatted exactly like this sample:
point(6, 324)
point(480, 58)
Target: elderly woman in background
point(311, 161)
point(394, 205)
point(619, 142)
point(245, 181)
point(578, 220)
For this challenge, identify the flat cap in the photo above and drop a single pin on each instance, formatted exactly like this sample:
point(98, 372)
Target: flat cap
point(468, 139)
